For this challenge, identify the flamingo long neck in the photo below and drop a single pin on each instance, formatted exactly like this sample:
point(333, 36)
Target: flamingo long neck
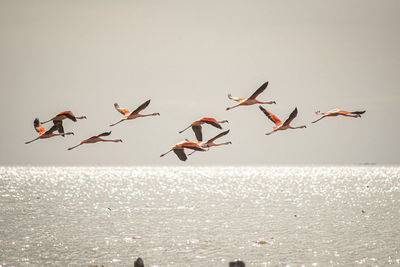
point(191, 152)
point(118, 121)
point(162, 155)
point(318, 119)
point(229, 108)
point(185, 129)
point(32, 140)
point(42, 122)
point(81, 117)
point(298, 127)
point(75, 146)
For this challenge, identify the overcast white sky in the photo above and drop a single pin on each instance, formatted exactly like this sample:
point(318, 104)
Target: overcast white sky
point(186, 56)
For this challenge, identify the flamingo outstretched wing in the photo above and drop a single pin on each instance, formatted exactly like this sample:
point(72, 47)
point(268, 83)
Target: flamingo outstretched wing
point(358, 112)
point(103, 134)
point(123, 111)
point(141, 107)
point(332, 111)
point(271, 116)
point(218, 136)
point(343, 112)
point(181, 154)
point(38, 126)
point(192, 145)
point(198, 132)
point(212, 122)
point(53, 128)
point(291, 117)
point(60, 127)
point(234, 98)
point(259, 90)
point(68, 114)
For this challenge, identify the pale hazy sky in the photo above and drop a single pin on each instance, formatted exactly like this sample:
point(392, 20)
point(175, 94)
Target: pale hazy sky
point(186, 56)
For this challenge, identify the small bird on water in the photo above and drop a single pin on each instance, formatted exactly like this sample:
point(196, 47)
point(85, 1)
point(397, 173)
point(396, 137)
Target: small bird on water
point(237, 264)
point(138, 263)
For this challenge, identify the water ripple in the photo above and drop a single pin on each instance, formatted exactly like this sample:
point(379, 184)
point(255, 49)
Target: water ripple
point(312, 216)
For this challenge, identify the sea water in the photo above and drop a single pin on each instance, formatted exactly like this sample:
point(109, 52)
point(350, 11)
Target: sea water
point(208, 216)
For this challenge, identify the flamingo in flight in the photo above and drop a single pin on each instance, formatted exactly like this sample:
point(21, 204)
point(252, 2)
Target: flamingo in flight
point(196, 126)
point(252, 99)
point(278, 123)
point(337, 112)
point(43, 133)
point(64, 115)
point(95, 139)
point(128, 115)
point(179, 149)
point(210, 143)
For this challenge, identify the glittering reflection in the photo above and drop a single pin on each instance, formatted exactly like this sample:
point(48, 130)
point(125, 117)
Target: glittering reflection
point(311, 216)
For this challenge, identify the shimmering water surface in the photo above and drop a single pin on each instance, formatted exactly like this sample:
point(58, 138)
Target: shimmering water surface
point(312, 216)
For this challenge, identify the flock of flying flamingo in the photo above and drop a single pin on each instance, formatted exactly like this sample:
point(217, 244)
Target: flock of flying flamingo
point(179, 148)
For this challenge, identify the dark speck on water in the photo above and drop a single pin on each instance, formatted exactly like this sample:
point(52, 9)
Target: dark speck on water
point(139, 263)
point(237, 264)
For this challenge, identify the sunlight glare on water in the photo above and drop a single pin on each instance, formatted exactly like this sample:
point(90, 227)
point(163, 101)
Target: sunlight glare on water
point(208, 216)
